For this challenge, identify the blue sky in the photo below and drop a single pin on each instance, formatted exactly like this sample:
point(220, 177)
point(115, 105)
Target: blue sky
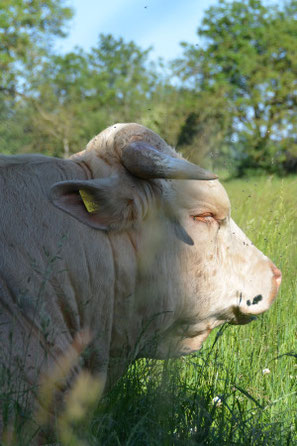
point(158, 23)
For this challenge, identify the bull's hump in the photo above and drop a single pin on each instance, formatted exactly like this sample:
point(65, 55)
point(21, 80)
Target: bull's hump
point(39, 166)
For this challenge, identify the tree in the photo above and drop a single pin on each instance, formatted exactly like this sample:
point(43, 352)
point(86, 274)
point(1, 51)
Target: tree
point(204, 129)
point(250, 53)
point(77, 95)
point(27, 28)
point(122, 77)
point(59, 95)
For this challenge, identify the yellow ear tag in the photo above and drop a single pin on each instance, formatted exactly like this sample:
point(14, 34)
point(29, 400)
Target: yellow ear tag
point(88, 201)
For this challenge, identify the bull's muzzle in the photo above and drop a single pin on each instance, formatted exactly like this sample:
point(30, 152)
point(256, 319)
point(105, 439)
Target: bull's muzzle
point(258, 304)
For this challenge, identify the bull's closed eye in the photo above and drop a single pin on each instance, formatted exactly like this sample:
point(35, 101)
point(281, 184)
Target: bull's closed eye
point(206, 217)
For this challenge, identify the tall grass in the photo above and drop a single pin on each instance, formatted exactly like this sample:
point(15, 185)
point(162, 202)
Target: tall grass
point(224, 394)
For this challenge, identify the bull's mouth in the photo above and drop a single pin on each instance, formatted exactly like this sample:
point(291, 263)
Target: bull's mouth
point(241, 318)
point(248, 309)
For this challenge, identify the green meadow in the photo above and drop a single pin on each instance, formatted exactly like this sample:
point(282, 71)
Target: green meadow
point(240, 389)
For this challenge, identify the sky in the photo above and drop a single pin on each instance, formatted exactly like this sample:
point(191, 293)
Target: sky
point(162, 24)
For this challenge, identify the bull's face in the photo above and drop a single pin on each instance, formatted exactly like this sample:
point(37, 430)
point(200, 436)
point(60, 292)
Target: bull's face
point(223, 276)
point(196, 260)
point(195, 269)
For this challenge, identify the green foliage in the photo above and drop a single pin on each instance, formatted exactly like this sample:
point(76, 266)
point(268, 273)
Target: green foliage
point(234, 99)
point(80, 93)
point(250, 53)
point(120, 71)
point(72, 97)
point(26, 29)
point(15, 125)
point(204, 129)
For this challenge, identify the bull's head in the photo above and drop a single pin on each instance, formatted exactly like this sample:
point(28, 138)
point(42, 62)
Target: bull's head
point(195, 269)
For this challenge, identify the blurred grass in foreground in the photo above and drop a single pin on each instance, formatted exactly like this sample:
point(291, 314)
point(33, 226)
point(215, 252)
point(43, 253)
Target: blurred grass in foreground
point(241, 388)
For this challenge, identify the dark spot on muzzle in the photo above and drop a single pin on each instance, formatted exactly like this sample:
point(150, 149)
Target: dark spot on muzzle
point(257, 299)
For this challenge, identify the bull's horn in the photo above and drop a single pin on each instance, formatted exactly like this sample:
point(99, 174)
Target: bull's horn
point(144, 161)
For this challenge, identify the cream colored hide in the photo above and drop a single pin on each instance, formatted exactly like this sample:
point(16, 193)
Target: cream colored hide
point(128, 241)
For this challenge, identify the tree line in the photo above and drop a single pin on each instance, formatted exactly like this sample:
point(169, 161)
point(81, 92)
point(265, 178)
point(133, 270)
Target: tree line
point(232, 104)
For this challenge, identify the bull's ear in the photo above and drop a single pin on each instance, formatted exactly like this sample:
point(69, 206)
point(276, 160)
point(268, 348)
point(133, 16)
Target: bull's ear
point(104, 204)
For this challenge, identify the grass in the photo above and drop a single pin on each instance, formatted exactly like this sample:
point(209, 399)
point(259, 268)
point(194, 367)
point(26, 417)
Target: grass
point(172, 402)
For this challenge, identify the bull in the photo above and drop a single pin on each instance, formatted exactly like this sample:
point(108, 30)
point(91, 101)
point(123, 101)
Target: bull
point(128, 241)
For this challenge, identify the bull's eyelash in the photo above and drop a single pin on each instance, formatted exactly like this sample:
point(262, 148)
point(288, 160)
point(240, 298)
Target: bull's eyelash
point(206, 217)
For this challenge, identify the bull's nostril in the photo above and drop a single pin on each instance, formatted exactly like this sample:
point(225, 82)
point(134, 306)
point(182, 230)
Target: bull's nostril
point(257, 299)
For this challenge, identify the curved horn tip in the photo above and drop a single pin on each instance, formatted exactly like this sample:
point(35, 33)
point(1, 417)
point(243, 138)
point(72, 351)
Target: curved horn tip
point(211, 176)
